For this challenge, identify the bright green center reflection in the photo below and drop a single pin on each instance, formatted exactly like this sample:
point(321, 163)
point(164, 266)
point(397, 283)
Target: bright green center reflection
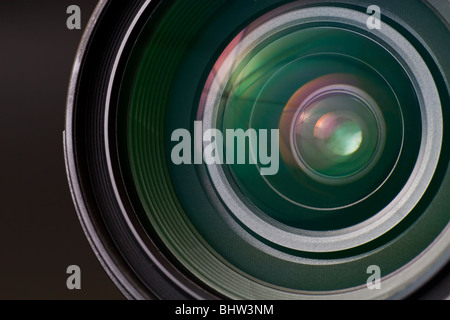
point(335, 135)
point(341, 137)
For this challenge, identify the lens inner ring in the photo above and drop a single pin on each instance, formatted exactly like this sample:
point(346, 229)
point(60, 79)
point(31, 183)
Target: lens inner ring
point(353, 117)
point(398, 209)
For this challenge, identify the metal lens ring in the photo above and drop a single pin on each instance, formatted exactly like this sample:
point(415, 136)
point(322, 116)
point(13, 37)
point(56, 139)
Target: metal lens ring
point(411, 193)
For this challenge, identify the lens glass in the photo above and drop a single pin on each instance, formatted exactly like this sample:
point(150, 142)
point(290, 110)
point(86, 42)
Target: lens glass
point(349, 120)
point(334, 110)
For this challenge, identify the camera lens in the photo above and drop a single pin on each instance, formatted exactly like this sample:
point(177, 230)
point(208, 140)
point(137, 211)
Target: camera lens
point(212, 143)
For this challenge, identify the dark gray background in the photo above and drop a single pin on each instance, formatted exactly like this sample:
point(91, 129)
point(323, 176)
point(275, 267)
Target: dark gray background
point(40, 235)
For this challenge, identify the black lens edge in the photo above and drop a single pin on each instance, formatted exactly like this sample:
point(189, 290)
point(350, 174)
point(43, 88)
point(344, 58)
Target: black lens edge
point(140, 271)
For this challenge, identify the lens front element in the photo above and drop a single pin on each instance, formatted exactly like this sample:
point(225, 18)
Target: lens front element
point(263, 149)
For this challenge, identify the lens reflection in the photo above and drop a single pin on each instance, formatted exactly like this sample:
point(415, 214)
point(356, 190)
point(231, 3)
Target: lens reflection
point(341, 136)
point(337, 133)
point(334, 112)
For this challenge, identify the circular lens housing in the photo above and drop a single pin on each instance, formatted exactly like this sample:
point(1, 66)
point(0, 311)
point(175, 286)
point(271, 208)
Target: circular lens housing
point(210, 142)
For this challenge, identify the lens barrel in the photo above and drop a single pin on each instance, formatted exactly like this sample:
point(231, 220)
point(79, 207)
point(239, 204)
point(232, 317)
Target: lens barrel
point(277, 149)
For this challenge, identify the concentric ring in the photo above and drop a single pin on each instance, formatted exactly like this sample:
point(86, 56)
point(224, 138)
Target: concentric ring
point(404, 202)
point(166, 229)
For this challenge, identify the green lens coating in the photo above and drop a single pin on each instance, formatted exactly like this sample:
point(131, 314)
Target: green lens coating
point(341, 136)
point(340, 147)
point(289, 83)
